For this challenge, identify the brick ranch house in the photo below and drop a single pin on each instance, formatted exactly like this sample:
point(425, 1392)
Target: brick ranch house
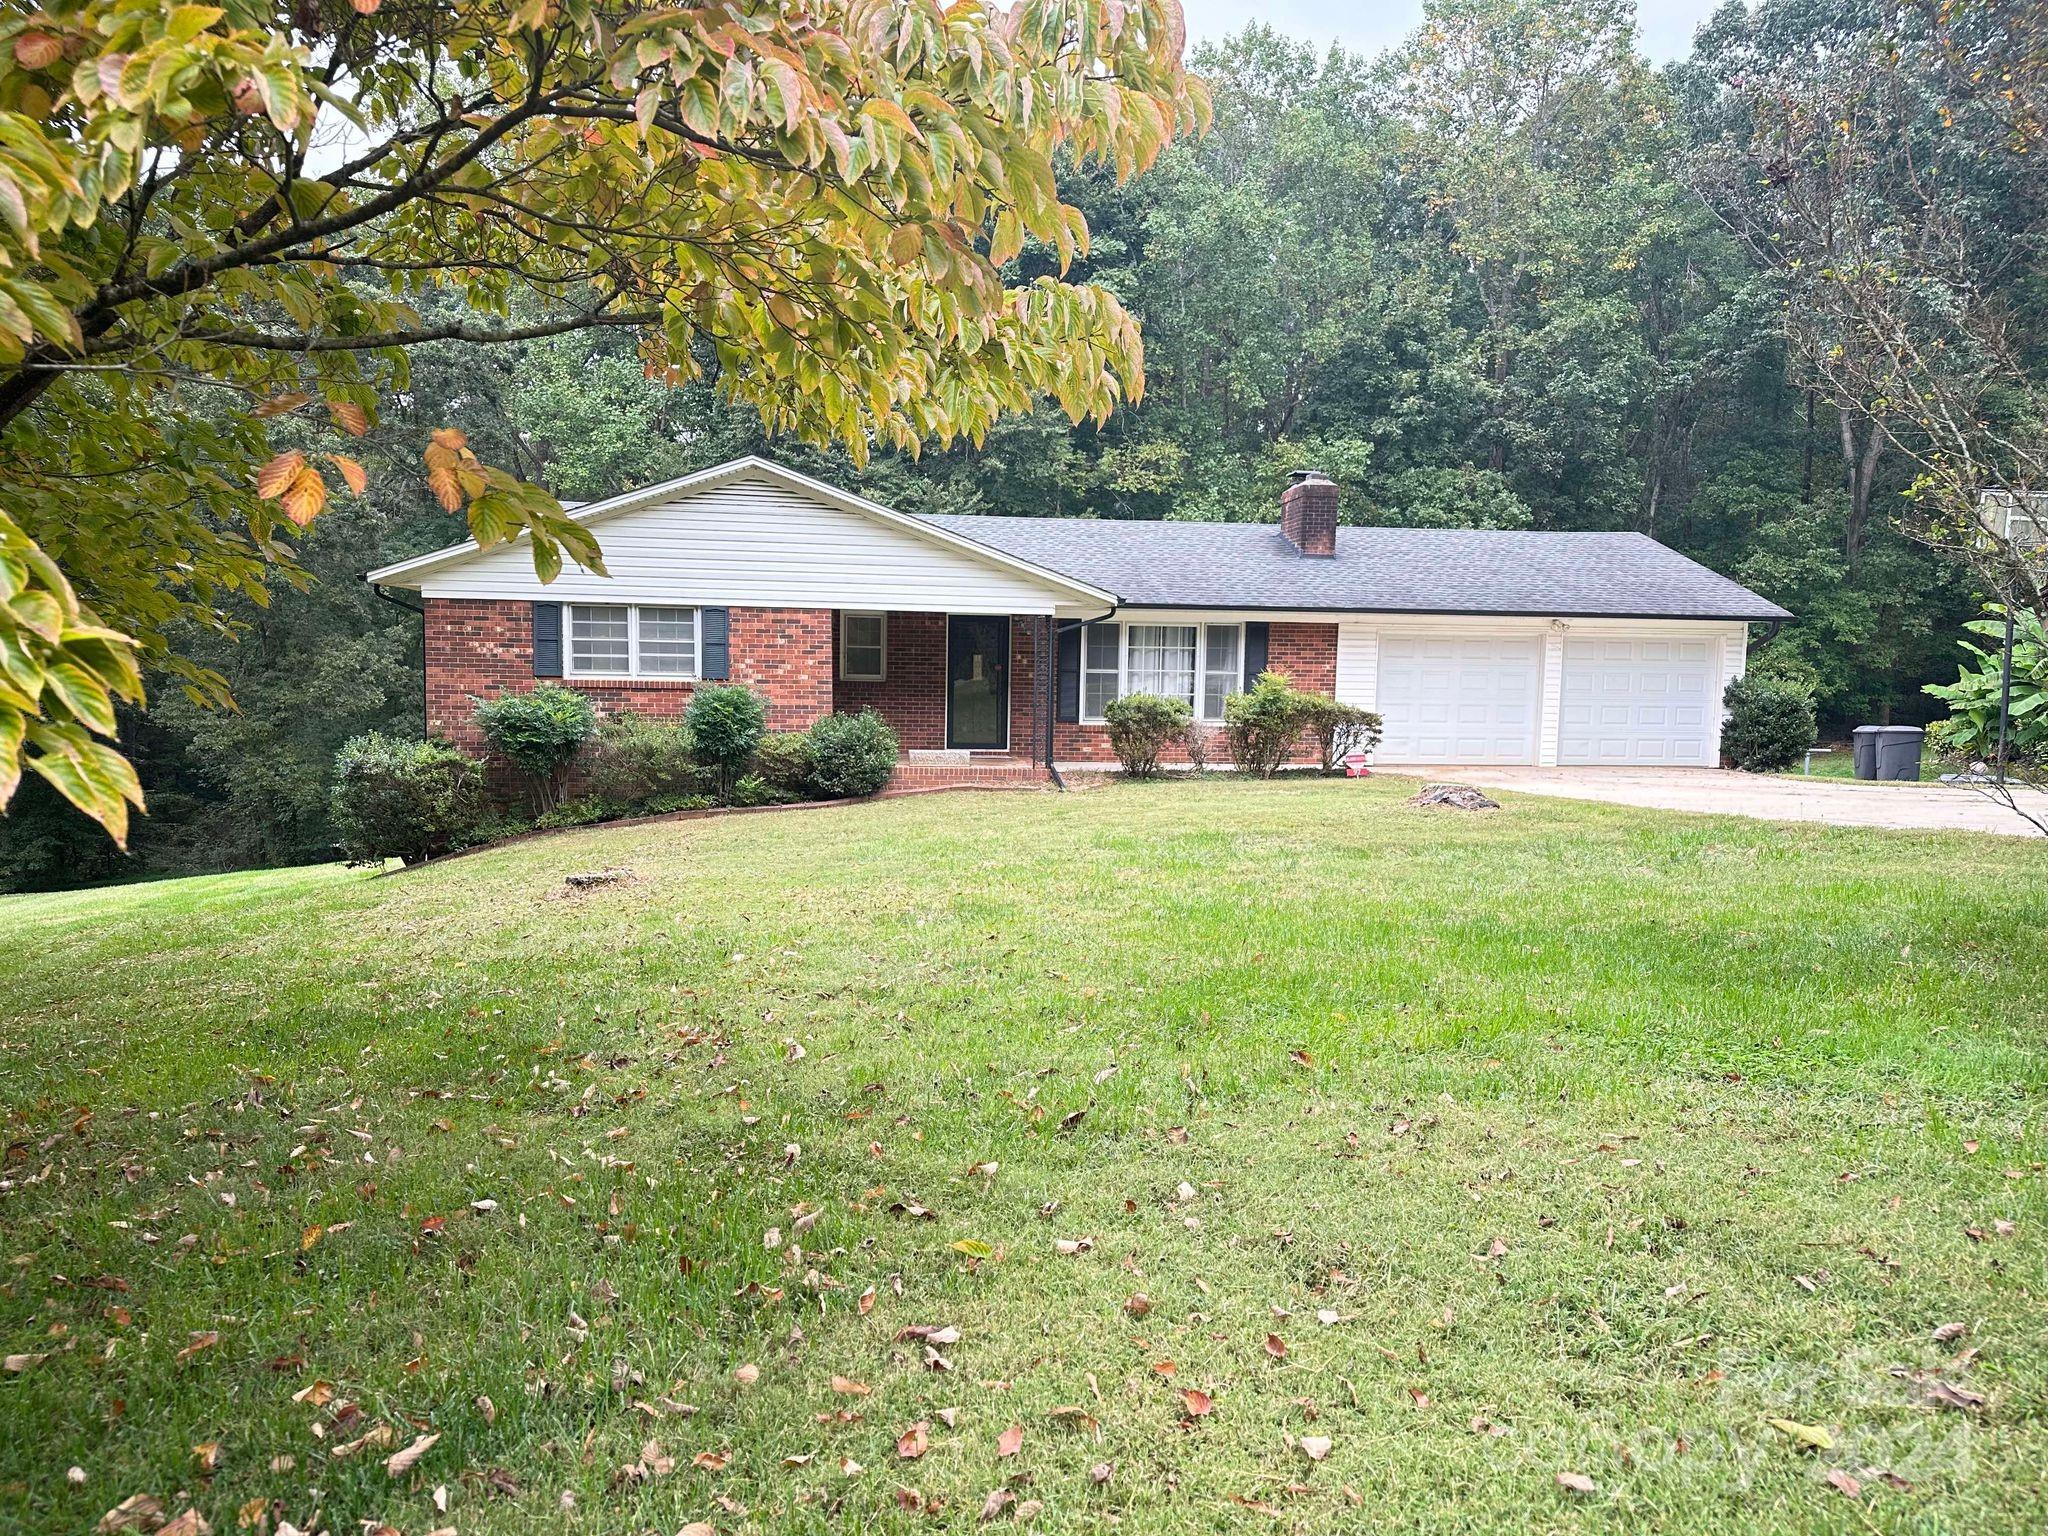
point(991, 644)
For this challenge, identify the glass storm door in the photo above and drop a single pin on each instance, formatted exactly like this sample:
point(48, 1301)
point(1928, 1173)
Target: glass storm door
point(978, 682)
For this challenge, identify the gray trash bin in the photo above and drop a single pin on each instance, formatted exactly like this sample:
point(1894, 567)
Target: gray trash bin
point(1898, 752)
point(1865, 738)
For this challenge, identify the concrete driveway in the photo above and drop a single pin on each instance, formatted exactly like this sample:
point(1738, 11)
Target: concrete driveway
point(1713, 791)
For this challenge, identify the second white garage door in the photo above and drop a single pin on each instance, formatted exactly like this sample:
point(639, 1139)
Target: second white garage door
point(1638, 701)
point(1458, 699)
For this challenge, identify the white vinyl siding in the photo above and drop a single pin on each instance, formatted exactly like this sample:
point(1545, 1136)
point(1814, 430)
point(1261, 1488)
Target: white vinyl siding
point(863, 647)
point(619, 640)
point(1199, 664)
point(751, 542)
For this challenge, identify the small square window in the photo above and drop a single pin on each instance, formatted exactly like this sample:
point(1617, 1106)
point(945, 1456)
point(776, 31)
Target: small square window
point(668, 642)
point(863, 647)
point(599, 640)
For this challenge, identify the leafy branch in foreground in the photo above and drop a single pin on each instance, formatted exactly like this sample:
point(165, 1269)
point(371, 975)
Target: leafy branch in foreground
point(207, 282)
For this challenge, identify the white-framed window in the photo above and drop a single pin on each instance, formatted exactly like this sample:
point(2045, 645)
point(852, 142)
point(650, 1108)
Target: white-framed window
point(1101, 668)
point(618, 640)
point(1160, 658)
point(1222, 668)
point(1202, 664)
point(863, 647)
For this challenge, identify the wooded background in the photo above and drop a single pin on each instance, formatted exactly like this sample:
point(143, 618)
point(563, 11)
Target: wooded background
point(1507, 276)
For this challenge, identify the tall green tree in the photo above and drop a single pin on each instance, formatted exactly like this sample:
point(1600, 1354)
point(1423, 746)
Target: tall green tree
point(204, 296)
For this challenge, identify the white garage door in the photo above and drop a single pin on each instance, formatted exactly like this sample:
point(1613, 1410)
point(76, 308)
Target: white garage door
point(1458, 699)
point(1638, 701)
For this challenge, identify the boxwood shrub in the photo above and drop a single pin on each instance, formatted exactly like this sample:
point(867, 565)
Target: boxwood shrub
point(409, 800)
point(1141, 726)
point(852, 755)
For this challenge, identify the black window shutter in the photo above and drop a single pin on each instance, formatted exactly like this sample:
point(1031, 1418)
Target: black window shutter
point(547, 639)
point(1070, 673)
point(717, 624)
point(1255, 639)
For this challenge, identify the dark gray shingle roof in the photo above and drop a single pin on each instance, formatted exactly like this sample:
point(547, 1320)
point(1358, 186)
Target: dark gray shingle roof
point(1375, 570)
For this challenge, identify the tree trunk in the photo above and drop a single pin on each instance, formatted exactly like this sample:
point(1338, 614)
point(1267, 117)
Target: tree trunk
point(1806, 467)
point(1859, 463)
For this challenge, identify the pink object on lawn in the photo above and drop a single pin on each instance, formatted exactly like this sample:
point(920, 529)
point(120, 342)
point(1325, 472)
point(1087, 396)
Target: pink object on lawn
point(1355, 766)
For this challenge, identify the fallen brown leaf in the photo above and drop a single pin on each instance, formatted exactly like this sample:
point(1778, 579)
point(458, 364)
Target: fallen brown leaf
point(137, 1512)
point(401, 1462)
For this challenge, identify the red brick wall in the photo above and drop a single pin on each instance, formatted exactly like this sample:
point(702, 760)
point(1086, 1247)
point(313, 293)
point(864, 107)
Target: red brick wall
point(477, 649)
point(912, 698)
point(1307, 653)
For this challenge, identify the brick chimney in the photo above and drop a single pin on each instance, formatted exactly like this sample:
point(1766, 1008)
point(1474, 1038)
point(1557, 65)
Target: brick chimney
point(1308, 512)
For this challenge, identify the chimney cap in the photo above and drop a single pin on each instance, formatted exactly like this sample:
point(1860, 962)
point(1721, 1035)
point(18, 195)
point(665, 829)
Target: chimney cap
point(1306, 476)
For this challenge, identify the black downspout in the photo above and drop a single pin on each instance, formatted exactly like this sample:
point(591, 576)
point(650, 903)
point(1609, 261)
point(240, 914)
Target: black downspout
point(1051, 662)
point(421, 611)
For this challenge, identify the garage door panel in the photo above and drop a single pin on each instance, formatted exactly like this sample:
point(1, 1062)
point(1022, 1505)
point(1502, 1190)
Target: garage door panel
point(1644, 701)
point(1458, 699)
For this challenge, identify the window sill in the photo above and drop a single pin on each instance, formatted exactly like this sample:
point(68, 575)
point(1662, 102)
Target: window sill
point(629, 680)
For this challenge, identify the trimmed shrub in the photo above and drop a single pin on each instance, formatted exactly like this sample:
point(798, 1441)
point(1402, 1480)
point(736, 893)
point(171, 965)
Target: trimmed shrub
point(1260, 726)
point(852, 755)
point(539, 732)
point(1141, 726)
point(1339, 729)
point(409, 800)
point(1770, 723)
point(635, 762)
point(785, 760)
point(725, 722)
point(1200, 746)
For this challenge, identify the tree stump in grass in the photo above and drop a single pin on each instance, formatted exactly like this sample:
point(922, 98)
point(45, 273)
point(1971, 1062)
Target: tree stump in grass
point(1460, 797)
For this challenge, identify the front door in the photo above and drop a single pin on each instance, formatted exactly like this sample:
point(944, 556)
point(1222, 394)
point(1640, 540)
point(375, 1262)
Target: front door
point(978, 682)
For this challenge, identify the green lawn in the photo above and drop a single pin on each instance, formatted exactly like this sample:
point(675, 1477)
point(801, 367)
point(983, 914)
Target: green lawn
point(1567, 1139)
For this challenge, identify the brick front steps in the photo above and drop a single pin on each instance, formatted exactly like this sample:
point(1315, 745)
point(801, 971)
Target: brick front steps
point(966, 770)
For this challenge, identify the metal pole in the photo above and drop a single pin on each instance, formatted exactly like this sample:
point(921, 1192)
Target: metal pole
point(2005, 694)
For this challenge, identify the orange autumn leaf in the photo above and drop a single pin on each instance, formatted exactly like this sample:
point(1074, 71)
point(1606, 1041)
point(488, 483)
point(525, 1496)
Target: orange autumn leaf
point(349, 416)
point(276, 477)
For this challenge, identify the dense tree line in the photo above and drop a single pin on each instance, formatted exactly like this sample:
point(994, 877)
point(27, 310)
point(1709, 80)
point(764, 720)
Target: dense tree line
point(1507, 275)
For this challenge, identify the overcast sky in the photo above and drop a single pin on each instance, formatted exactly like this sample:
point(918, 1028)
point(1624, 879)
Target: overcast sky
point(1367, 26)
